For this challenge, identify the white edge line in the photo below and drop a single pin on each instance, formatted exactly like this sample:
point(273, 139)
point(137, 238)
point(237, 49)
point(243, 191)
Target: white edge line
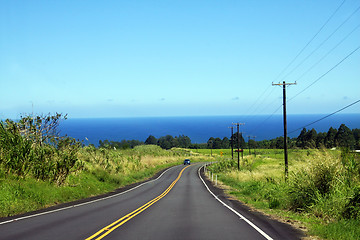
point(231, 209)
point(85, 203)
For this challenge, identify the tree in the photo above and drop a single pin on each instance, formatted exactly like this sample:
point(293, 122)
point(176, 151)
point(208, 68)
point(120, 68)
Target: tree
point(301, 139)
point(330, 138)
point(166, 142)
point(310, 139)
point(123, 144)
point(252, 144)
point(104, 144)
point(264, 144)
point(33, 145)
point(273, 143)
point(344, 137)
point(134, 143)
point(210, 142)
point(225, 143)
point(151, 140)
point(356, 133)
point(279, 143)
point(183, 141)
point(320, 140)
point(217, 144)
point(40, 129)
point(238, 138)
point(291, 142)
point(198, 146)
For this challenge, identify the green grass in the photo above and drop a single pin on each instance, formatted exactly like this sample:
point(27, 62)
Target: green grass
point(19, 196)
point(340, 230)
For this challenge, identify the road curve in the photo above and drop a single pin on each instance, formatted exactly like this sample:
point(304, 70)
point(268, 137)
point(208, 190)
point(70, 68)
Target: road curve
point(175, 206)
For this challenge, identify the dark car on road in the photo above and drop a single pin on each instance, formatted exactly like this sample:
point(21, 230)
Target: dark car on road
point(187, 162)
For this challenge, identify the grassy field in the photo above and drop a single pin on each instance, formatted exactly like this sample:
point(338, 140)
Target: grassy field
point(103, 171)
point(322, 193)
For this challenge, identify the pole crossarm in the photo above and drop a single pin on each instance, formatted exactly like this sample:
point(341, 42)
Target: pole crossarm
point(237, 124)
point(283, 83)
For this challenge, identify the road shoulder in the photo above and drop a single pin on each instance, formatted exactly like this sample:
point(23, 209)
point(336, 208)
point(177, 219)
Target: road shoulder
point(267, 223)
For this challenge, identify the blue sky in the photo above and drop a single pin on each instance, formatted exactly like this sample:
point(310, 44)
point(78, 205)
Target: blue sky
point(177, 58)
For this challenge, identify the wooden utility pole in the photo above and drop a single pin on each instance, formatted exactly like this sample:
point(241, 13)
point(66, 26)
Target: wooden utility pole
point(254, 146)
point(283, 84)
point(232, 142)
point(238, 141)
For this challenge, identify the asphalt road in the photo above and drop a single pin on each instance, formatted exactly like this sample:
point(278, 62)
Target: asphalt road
point(177, 205)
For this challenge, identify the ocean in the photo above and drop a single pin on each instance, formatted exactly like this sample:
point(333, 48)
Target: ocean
point(199, 129)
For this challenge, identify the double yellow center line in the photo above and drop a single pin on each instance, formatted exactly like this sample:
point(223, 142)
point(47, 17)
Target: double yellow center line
point(108, 229)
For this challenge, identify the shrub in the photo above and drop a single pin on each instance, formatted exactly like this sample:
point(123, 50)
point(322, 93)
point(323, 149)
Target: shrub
point(32, 145)
point(352, 207)
point(309, 184)
point(302, 191)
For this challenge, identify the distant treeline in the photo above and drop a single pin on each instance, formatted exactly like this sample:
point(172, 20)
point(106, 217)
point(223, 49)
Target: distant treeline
point(341, 137)
point(165, 142)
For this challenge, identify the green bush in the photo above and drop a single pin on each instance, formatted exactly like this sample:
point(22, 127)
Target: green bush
point(223, 165)
point(31, 146)
point(352, 207)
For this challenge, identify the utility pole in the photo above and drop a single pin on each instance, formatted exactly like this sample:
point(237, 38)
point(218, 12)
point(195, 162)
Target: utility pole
point(254, 146)
point(249, 144)
point(238, 141)
point(284, 84)
point(232, 142)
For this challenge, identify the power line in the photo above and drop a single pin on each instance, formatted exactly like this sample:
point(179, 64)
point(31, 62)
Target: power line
point(257, 104)
point(317, 33)
point(302, 50)
point(261, 95)
point(255, 129)
point(326, 116)
point(257, 108)
point(262, 123)
point(338, 44)
point(322, 43)
point(295, 58)
point(270, 103)
point(336, 65)
point(323, 75)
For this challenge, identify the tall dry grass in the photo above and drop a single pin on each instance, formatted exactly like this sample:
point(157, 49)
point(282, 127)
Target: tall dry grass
point(322, 184)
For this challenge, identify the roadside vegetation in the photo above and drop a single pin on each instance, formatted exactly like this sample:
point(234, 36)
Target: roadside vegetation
point(321, 194)
point(38, 168)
